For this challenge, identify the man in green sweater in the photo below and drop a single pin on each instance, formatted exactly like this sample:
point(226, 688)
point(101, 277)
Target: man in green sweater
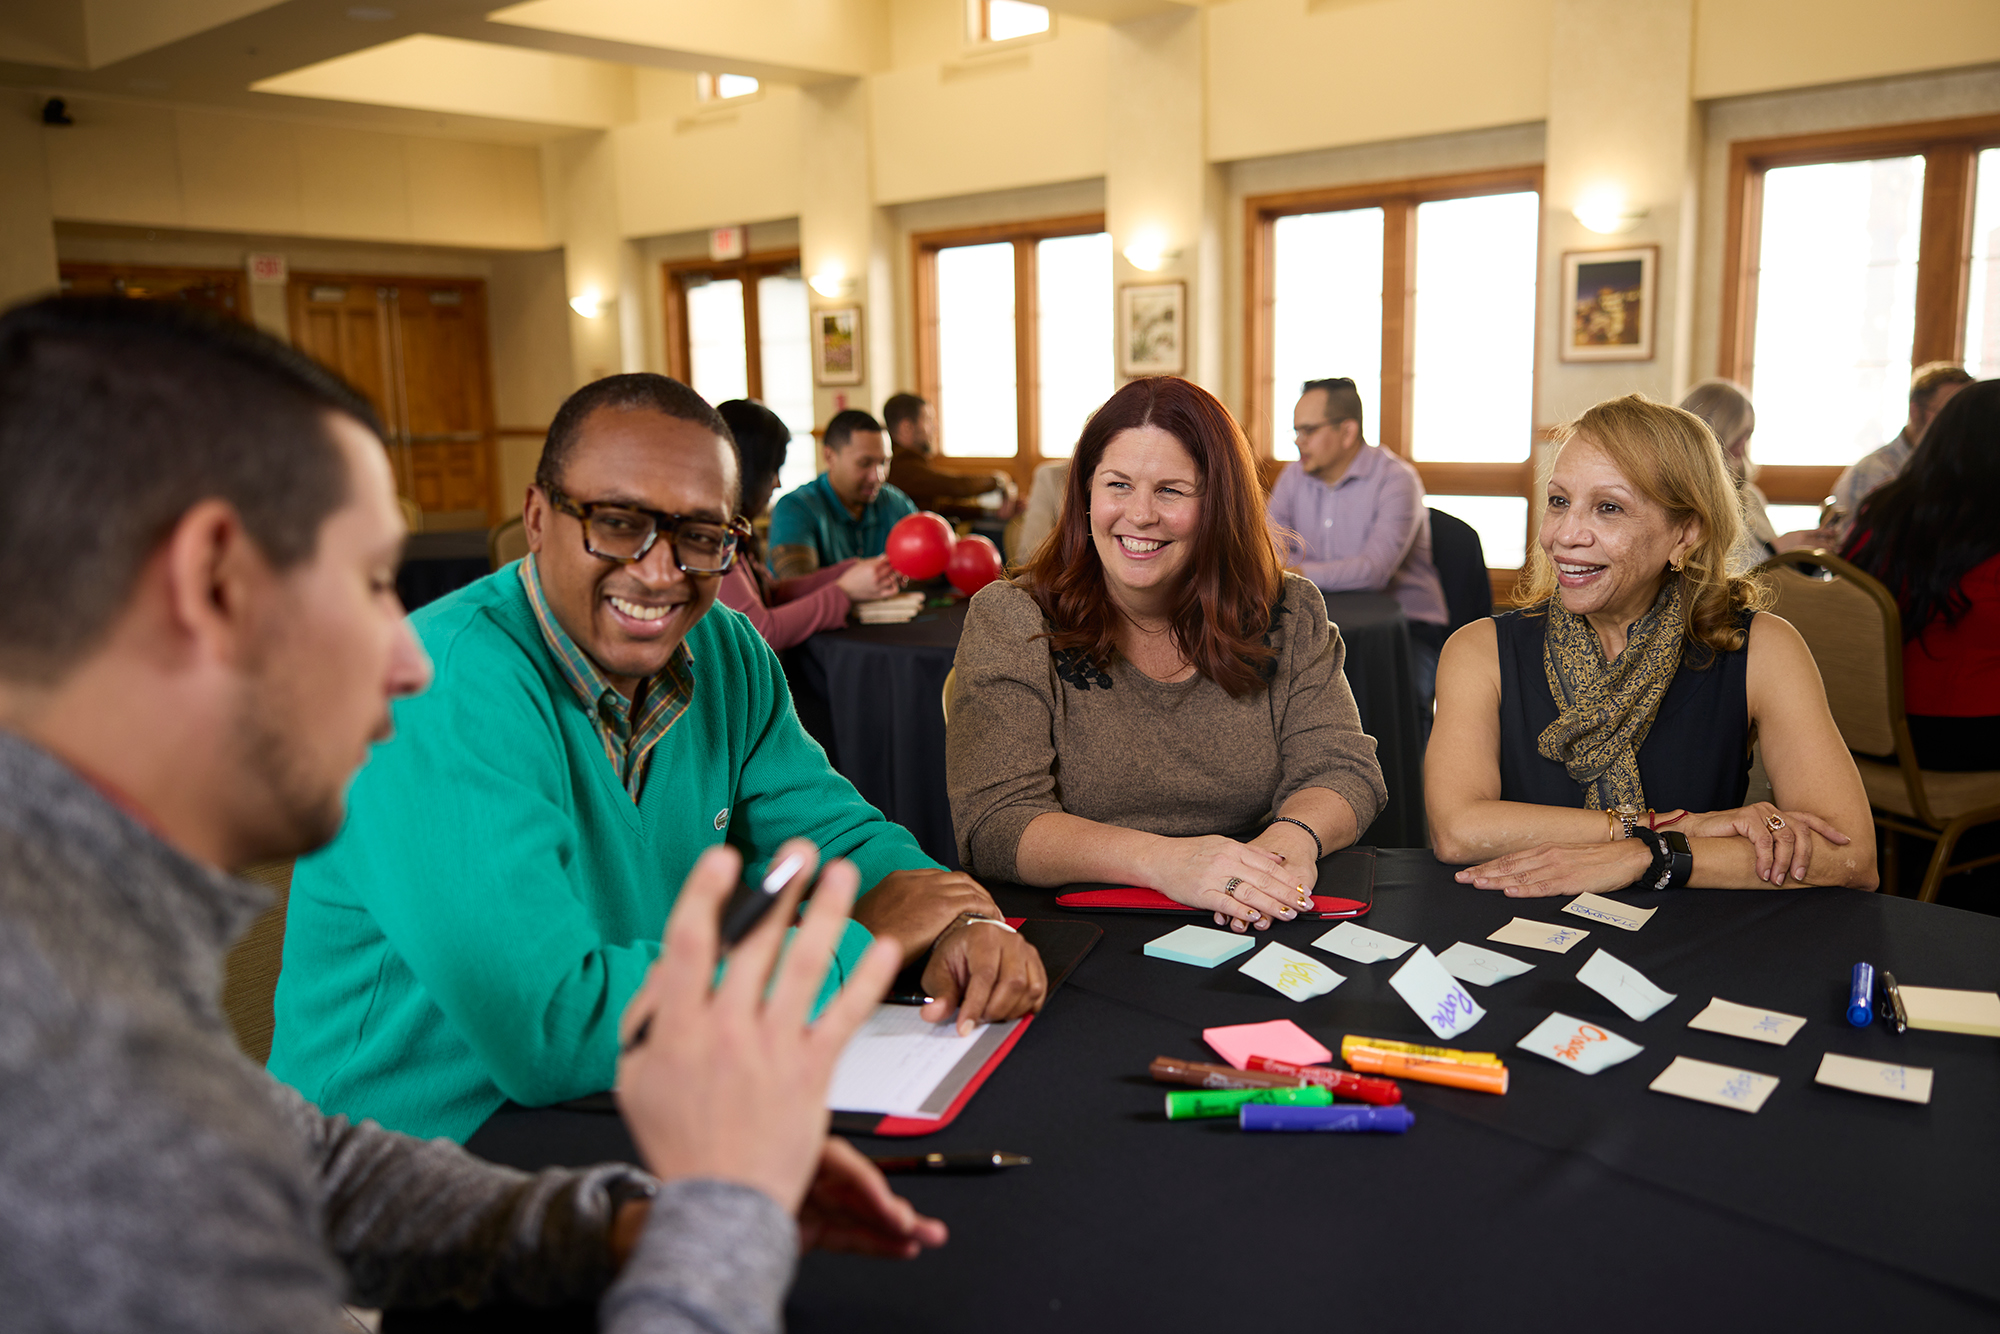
point(510, 857)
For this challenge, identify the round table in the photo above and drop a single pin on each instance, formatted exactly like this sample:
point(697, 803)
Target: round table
point(1573, 1202)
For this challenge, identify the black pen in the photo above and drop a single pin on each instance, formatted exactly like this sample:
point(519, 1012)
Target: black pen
point(746, 908)
point(954, 1164)
point(1895, 995)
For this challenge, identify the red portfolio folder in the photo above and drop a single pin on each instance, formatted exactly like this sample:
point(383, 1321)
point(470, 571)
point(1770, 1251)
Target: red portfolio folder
point(1346, 888)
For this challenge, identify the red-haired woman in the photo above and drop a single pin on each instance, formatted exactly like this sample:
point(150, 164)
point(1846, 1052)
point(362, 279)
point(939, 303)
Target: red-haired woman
point(1152, 701)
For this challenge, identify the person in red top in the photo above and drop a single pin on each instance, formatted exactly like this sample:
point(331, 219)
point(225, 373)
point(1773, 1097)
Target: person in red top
point(787, 611)
point(1932, 537)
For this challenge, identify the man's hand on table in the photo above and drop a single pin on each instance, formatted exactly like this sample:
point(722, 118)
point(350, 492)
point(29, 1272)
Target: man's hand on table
point(982, 972)
point(850, 1208)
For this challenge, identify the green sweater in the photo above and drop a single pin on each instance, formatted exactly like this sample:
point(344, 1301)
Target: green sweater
point(495, 898)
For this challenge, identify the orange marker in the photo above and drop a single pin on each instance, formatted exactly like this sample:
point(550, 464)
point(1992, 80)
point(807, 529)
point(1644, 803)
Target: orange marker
point(1428, 1069)
point(1353, 1040)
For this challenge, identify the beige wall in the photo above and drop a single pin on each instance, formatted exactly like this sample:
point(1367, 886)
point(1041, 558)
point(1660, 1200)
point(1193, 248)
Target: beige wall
point(688, 167)
point(1753, 46)
point(27, 238)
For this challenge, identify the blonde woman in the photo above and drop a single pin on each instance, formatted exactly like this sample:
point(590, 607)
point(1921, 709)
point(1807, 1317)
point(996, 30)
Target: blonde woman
point(1598, 738)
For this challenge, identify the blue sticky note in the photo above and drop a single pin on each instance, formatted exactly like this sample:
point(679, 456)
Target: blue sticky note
point(1199, 946)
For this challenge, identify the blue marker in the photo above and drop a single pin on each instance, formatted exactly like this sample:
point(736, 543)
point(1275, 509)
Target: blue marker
point(1861, 1000)
point(1394, 1119)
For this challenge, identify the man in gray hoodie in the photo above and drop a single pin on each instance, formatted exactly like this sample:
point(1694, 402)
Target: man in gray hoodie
point(199, 640)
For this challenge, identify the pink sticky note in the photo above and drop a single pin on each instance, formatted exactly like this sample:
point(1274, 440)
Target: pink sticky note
point(1281, 1040)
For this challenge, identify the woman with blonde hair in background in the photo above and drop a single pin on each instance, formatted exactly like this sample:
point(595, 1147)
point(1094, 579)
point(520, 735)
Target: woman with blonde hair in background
point(1598, 738)
point(1725, 406)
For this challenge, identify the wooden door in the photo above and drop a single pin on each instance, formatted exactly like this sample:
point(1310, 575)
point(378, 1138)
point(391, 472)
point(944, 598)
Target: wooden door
point(417, 348)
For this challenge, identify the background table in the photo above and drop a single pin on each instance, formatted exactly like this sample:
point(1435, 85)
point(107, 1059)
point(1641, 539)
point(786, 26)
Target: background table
point(438, 563)
point(1377, 638)
point(1573, 1202)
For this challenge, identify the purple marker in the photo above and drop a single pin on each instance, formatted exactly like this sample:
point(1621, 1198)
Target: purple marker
point(1393, 1119)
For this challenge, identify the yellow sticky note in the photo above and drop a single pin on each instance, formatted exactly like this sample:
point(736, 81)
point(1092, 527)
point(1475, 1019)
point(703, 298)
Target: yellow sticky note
point(1947, 1011)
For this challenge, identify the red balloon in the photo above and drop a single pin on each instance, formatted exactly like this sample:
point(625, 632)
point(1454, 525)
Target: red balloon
point(974, 563)
point(920, 546)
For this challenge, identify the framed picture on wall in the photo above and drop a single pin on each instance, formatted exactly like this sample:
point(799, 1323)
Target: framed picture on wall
point(1611, 305)
point(1152, 329)
point(837, 345)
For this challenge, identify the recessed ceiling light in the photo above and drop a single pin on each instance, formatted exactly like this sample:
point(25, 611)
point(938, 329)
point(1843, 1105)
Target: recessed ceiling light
point(370, 14)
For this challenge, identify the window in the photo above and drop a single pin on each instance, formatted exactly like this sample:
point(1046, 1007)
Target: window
point(718, 312)
point(1423, 292)
point(1004, 20)
point(1852, 257)
point(1014, 339)
point(722, 87)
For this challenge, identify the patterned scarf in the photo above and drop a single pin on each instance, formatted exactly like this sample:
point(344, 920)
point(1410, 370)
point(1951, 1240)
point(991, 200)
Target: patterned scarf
point(1606, 709)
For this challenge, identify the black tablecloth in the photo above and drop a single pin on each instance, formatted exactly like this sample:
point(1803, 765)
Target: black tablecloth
point(870, 694)
point(1377, 637)
point(1573, 1202)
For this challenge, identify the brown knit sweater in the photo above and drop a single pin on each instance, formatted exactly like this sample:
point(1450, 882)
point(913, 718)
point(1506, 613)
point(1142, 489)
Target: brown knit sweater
point(1034, 731)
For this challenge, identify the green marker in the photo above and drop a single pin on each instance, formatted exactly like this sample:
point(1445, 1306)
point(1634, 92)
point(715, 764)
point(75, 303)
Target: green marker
point(1187, 1105)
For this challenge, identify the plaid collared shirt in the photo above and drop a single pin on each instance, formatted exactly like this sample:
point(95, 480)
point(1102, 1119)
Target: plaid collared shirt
point(630, 728)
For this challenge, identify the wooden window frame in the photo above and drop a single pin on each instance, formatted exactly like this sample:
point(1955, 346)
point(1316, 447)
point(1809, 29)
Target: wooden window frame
point(924, 247)
point(1398, 201)
point(674, 273)
point(1950, 149)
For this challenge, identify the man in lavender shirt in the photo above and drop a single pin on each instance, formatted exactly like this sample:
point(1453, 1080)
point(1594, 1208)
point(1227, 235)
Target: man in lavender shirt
point(1352, 517)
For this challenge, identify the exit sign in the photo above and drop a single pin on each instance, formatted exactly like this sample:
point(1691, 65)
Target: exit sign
point(266, 268)
point(726, 243)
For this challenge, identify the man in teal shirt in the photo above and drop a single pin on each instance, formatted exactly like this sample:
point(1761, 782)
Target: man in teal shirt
point(510, 857)
point(847, 511)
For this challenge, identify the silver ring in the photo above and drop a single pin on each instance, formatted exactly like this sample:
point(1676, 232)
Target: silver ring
point(1230, 888)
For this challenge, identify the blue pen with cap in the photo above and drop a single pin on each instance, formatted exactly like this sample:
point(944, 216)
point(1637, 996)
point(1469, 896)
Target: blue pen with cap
point(1861, 998)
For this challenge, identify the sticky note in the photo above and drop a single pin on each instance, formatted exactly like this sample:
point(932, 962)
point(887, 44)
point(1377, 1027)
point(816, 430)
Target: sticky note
point(1482, 968)
point(1201, 946)
point(1539, 935)
point(1600, 909)
point(1911, 1083)
point(1723, 1085)
point(1444, 1006)
point(1582, 1047)
point(1360, 944)
point(1746, 1021)
point(1297, 975)
point(1623, 985)
point(1280, 1039)
point(1946, 1011)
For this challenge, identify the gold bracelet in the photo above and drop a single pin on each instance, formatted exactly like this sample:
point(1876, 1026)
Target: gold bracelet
point(1612, 818)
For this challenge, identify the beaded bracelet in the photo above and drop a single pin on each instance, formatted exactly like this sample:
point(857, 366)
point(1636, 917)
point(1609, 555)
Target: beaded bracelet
point(1318, 846)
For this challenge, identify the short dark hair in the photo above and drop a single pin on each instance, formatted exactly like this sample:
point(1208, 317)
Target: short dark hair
point(762, 439)
point(626, 393)
point(1343, 400)
point(845, 423)
point(1932, 376)
point(902, 408)
point(116, 417)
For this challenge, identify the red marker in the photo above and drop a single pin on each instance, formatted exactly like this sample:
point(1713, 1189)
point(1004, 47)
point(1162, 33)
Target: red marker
point(1381, 1092)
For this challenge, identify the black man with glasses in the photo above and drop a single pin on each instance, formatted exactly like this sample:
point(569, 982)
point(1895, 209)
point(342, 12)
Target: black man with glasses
point(509, 859)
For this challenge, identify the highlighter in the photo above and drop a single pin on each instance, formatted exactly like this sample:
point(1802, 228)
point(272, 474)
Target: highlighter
point(1429, 1070)
point(1343, 1082)
point(1861, 999)
point(1353, 1040)
point(1189, 1104)
point(1347, 1116)
point(1202, 1075)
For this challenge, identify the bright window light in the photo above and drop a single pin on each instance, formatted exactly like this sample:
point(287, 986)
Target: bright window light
point(1008, 19)
point(1982, 307)
point(1474, 363)
point(734, 85)
point(978, 414)
point(784, 332)
point(1792, 518)
point(1836, 308)
point(1500, 521)
point(1073, 302)
point(717, 370)
point(1326, 319)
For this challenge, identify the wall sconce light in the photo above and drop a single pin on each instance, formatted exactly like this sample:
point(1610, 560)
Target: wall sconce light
point(1149, 252)
point(589, 303)
point(831, 281)
point(1606, 213)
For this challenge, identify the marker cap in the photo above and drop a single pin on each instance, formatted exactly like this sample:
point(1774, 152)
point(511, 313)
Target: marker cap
point(1861, 999)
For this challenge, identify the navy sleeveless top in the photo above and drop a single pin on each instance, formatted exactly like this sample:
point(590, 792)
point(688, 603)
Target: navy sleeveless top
point(1696, 756)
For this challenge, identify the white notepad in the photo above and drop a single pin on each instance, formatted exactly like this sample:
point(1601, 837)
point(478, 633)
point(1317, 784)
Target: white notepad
point(899, 1065)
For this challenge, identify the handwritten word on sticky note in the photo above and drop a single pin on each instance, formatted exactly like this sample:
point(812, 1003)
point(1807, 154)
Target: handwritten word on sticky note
point(1582, 1047)
point(1723, 1085)
point(1444, 1006)
point(1609, 911)
point(1482, 968)
point(1280, 1039)
point(1360, 944)
point(1538, 935)
point(1201, 946)
point(1297, 975)
point(1746, 1021)
point(1911, 1083)
point(1623, 985)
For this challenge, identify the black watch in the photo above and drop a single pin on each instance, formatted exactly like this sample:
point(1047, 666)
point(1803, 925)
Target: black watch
point(1673, 860)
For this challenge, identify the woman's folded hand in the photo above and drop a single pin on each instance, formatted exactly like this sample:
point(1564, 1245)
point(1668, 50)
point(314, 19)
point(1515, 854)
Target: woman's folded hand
point(1563, 868)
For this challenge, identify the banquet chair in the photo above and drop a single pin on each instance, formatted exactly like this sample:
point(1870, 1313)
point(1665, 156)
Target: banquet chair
point(250, 971)
point(1855, 632)
point(508, 542)
point(1461, 567)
